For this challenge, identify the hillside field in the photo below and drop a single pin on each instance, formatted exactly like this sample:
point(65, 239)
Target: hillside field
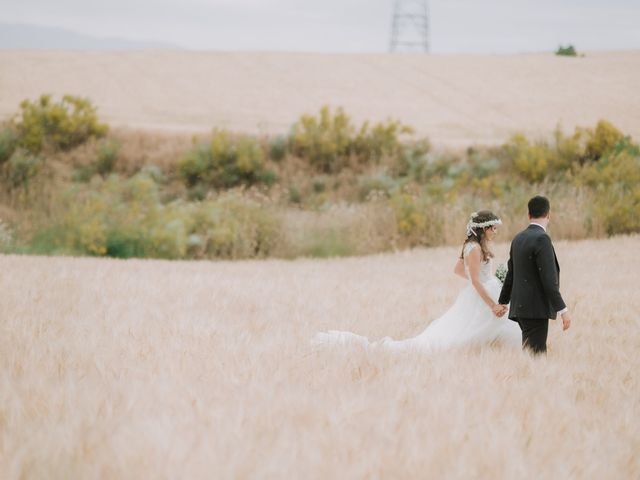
point(456, 100)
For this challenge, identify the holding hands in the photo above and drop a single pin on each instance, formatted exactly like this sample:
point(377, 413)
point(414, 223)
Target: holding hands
point(499, 310)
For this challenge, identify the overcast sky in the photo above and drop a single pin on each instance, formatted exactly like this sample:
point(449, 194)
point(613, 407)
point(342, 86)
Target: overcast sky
point(474, 26)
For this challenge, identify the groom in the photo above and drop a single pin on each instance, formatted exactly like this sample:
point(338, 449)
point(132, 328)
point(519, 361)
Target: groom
point(533, 280)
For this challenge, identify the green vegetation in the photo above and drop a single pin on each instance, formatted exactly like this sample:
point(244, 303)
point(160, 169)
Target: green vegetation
point(63, 125)
point(225, 162)
point(568, 51)
point(327, 188)
point(125, 218)
point(331, 142)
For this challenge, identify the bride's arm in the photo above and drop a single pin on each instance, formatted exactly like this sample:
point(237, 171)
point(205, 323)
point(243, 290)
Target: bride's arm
point(473, 260)
point(459, 269)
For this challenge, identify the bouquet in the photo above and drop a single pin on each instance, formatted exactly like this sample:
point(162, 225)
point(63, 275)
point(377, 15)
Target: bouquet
point(501, 272)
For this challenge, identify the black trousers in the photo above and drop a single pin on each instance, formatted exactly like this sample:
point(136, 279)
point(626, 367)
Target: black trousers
point(534, 334)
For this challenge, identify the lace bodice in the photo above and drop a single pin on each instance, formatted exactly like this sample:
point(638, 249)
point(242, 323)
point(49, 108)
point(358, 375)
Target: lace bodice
point(485, 267)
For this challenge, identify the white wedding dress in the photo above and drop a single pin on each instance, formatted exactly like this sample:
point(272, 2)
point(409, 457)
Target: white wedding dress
point(468, 321)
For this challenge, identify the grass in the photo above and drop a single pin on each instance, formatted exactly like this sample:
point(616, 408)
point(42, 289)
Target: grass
point(159, 369)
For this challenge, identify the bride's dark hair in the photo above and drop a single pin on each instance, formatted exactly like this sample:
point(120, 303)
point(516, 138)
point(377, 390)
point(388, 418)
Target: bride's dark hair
point(478, 235)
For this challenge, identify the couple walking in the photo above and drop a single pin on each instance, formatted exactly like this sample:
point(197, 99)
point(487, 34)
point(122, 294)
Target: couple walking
point(530, 293)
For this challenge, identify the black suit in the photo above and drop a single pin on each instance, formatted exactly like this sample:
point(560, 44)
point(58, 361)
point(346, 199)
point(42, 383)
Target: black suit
point(533, 286)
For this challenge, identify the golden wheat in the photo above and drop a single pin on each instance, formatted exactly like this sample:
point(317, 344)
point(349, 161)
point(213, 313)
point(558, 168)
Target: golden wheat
point(155, 369)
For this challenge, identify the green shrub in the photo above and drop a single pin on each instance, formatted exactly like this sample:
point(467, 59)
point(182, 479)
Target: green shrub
point(194, 166)
point(411, 160)
point(107, 157)
point(48, 240)
point(328, 244)
point(530, 161)
point(568, 150)
point(124, 244)
point(278, 147)
point(536, 161)
point(154, 172)
point(62, 125)
point(326, 141)
point(330, 141)
point(418, 219)
point(7, 144)
point(83, 173)
point(233, 227)
point(616, 182)
point(21, 168)
point(619, 209)
point(294, 194)
point(125, 218)
point(568, 51)
point(113, 217)
point(225, 163)
point(376, 183)
point(382, 140)
point(319, 184)
point(601, 140)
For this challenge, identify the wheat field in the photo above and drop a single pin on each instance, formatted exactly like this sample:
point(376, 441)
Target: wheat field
point(158, 369)
point(454, 99)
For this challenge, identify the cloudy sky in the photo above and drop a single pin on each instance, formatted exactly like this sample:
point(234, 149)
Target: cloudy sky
point(473, 26)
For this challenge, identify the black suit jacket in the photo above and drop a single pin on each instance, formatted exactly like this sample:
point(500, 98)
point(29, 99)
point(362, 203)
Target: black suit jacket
point(532, 284)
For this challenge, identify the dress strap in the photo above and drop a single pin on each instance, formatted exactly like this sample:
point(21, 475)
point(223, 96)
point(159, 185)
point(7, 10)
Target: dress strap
point(468, 247)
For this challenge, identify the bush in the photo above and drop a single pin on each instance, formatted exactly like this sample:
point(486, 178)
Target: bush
point(329, 244)
point(618, 208)
point(193, 167)
point(537, 161)
point(568, 51)
point(7, 144)
point(107, 157)
point(568, 150)
point(325, 141)
point(419, 221)
point(382, 140)
point(411, 160)
point(125, 218)
point(233, 227)
point(601, 140)
point(278, 148)
point(21, 168)
point(529, 161)
point(319, 184)
point(225, 163)
point(616, 182)
point(63, 125)
point(294, 194)
point(331, 141)
point(376, 183)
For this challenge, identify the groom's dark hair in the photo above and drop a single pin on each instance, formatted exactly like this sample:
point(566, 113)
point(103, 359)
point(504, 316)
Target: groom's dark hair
point(539, 206)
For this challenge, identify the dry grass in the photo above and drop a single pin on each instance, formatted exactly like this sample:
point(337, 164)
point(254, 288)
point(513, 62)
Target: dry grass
point(149, 369)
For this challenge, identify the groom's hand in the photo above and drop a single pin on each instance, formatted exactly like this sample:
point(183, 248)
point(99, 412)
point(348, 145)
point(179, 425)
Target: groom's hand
point(566, 321)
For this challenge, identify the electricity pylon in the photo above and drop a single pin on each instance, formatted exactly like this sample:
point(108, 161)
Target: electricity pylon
point(410, 26)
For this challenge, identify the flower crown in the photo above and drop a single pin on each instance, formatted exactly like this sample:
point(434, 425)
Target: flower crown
point(471, 225)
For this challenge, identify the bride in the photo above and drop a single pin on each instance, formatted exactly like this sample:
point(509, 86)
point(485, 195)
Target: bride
point(474, 318)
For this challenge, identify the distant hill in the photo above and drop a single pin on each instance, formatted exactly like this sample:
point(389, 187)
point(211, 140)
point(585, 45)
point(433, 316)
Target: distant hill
point(21, 36)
